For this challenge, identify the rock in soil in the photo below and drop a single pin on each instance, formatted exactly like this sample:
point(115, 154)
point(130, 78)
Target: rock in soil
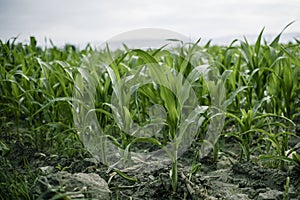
point(270, 195)
point(72, 186)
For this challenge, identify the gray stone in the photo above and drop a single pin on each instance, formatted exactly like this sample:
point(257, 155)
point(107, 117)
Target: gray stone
point(270, 195)
point(46, 170)
point(78, 185)
point(239, 197)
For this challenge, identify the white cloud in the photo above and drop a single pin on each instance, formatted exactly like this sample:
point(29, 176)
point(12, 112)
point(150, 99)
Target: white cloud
point(98, 20)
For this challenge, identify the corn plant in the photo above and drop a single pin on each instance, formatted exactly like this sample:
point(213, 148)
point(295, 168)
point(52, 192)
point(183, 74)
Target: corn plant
point(173, 104)
point(139, 100)
point(251, 122)
point(34, 92)
point(160, 87)
point(283, 87)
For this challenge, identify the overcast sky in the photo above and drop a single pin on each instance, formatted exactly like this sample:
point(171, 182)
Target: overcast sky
point(80, 22)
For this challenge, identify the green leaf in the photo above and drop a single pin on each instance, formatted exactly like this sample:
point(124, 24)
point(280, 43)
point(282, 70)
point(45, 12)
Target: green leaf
point(258, 41)
point(277, 38)
point(145, 56)
point(233, 95)
point(4, 148)
point(124, 175)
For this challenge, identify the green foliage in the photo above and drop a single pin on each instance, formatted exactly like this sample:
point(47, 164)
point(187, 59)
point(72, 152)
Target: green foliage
point(262, 98)
point(13, 185)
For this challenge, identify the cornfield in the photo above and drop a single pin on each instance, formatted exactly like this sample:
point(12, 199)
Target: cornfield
point(257, 88)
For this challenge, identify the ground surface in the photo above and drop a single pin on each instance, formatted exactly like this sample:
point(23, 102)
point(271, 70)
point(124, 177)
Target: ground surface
point(225, 179)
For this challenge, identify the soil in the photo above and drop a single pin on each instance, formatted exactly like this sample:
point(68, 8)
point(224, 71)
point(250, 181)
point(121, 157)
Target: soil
point(225, 179)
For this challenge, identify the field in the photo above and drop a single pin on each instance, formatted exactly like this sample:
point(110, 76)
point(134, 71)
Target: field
point(223, 120)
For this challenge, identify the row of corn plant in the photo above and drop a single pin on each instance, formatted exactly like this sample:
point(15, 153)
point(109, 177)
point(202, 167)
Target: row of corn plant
point(268, 79)
point(261, 81)
point(36, 90)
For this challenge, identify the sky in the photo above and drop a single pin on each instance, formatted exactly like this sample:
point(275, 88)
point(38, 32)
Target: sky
point(94, 21)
